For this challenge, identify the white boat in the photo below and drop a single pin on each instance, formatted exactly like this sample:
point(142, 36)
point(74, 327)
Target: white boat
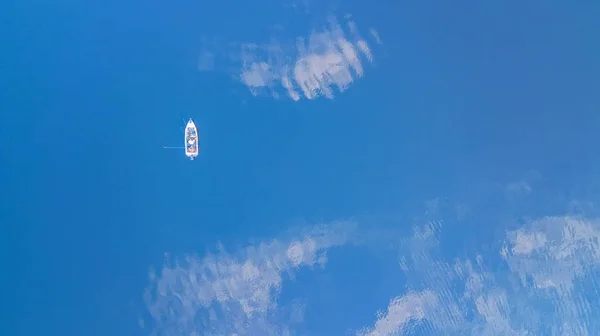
point(192, 141)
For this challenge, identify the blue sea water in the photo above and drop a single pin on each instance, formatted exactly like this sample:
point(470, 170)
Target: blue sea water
point(472, 131)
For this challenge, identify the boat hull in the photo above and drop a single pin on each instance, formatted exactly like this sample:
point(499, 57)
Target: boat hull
point(192, 141)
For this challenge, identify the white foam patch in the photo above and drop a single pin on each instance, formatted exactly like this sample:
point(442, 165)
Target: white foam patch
point(325, 61)
point(319, 63)
point(235, 294)
point(549, 287)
